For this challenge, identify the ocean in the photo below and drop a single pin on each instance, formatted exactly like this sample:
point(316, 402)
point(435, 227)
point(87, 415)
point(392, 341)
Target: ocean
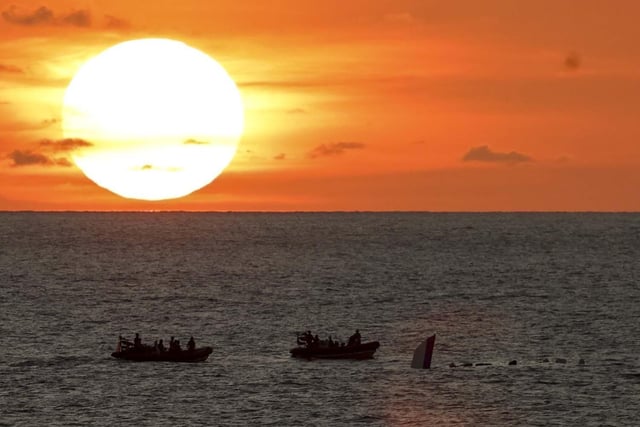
point(537, 288)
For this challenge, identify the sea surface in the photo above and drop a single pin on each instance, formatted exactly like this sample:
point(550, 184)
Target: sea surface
point(492, 287)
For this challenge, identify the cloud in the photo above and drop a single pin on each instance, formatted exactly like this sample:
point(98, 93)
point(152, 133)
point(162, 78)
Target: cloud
point(280, 156)
point(40, 16)
point(572, 62)
point(78, 18)
point(150, 167)
point(64, 162)
point(45, 16)
point(116, 23)
point(334, 149)
point(192, 141)
point(50, 122)
point(65, 145)
point(29, 158)
point(296, 111)
point(5, 68)
point(485, 154)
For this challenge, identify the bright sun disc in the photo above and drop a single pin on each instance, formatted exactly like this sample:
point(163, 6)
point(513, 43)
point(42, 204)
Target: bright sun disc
point(162, 119)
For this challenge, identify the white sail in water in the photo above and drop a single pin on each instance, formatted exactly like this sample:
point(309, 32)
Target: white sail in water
point(422, 354)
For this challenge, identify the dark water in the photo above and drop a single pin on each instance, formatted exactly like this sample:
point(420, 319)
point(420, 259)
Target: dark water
point(494, 287)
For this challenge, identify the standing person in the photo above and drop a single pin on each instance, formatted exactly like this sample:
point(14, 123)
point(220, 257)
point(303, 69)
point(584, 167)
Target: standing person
point(355, 338)
point(137, 341)
point(191, 345)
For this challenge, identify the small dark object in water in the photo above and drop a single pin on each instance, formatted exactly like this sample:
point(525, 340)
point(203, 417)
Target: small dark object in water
point(513, 362)
point(581, 362)
point(483, 364)
point(423, 353)
point(545, 360)
point(452, 365)
point(467, 365)
point(561, 360)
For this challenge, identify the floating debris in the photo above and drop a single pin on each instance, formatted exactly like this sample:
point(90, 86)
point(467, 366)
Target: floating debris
point(422, 355)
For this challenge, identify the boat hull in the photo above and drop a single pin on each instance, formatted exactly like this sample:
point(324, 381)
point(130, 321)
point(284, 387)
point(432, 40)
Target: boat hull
point(357, 352)
point(188, 356)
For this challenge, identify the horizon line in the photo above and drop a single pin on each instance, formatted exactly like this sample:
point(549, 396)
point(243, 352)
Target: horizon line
point(399, 211)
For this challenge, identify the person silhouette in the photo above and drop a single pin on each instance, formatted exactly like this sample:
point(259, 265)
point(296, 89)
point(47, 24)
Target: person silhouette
point(355, 338)
point(137, 341)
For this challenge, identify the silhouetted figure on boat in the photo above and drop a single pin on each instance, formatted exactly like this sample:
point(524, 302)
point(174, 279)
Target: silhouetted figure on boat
point(191, 345)
point(124, 343)
point(161, 346)
point(355, 338)
point(137, 342)
point(305, 339)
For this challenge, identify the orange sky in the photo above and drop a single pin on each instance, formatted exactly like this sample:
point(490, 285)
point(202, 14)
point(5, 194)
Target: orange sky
point(357, 104)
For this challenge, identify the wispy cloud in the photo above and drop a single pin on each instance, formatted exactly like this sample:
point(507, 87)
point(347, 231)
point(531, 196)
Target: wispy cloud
point(150, 167)
point(65, 145)
point(334, 149)
point(50, 122)
point(115, 23)
point(192, 141)
point(572, 62)
point(485, 154)
point(48, 153)
point(41, 16)
point(30, 158)
point(78, 18)
point(280, 156)
point(45, 16)
point(6, 68)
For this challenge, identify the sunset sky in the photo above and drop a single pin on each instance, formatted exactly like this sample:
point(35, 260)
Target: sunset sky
point(467, 105)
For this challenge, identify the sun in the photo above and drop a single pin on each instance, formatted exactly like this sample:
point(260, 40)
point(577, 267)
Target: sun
point(161, 119)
